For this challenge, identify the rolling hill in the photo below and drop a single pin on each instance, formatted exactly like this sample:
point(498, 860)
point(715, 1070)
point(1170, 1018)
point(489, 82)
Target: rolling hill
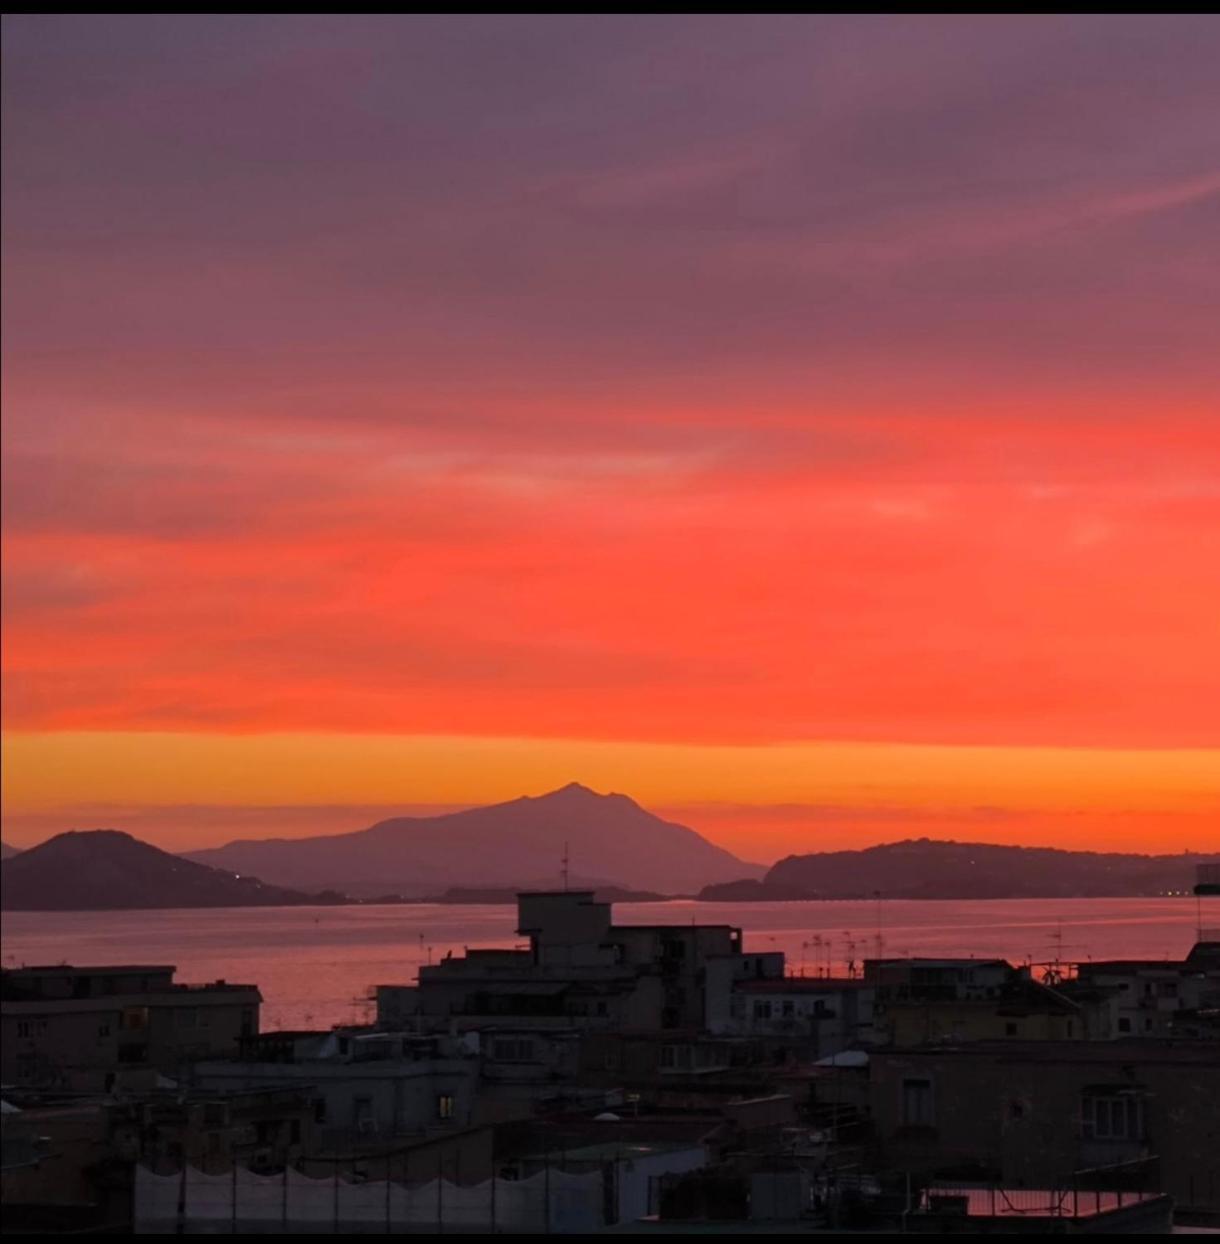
point(925, 868)
point(104, 869)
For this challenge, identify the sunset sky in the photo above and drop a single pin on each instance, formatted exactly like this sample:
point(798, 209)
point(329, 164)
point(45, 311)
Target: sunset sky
point(809, 426)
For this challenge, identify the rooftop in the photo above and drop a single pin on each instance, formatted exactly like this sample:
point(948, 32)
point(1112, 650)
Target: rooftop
point(1140, 1051)
point(1021, 1203)
point(801, 984)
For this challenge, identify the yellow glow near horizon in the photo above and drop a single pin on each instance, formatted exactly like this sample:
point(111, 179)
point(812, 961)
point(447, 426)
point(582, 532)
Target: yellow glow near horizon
point(43, 771)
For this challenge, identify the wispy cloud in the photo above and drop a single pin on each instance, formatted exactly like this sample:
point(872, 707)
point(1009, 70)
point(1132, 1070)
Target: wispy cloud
point(638, 379)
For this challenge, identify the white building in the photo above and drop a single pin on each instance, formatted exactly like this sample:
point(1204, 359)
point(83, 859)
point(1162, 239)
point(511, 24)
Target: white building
point(822, 1014)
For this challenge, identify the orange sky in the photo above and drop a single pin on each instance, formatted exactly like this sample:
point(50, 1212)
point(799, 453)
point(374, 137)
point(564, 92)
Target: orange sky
point(808, 426)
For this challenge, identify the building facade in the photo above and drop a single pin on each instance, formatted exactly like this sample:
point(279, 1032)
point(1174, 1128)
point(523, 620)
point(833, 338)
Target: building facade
point(94, 1029)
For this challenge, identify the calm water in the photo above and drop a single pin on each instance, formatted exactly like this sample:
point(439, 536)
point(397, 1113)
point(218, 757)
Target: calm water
point(315, 965)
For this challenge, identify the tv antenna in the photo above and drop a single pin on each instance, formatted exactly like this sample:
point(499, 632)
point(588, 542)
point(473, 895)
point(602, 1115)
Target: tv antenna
point(1059, 969)
point(850, 943)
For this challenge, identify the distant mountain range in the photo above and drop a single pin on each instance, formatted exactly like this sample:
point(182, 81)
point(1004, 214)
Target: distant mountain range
point(924, 868)
point(610, 843)
point(609, 839)
point(103, 869)
point(6, 851)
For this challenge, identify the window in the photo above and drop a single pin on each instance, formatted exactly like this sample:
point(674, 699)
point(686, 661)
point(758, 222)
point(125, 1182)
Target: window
point(1124, 1024)
point(134, 1017)
point(788, 1010)
point(676, 1057)
point(1010, 1029)
point(1112, 1116)
point(762, 1010)
point(103, 1030)
point(445, 1106)
point(24, 1028)
point(512, 1050)
point(917, 1103)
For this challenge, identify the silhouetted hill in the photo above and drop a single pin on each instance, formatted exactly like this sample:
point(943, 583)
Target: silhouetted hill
point(502, 846)
point(924, 868)
point(104, 869)
point(7, 852)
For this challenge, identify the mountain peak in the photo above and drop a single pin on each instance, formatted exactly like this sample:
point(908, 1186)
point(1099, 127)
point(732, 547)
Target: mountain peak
point(573, 790)
point(579, 791)
point(612, 839)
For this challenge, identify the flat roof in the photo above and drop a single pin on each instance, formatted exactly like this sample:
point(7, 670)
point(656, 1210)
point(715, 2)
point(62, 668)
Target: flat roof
point(800, 984)
point(1125, 1052)
point(926, 961)
point(1042, 1203)
point(684, 928)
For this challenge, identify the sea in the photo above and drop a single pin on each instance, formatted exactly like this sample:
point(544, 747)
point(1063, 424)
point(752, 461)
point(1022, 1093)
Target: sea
point(317, 966)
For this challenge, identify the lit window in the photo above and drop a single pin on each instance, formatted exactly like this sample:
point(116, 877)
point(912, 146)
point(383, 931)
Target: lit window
point(445, 1105)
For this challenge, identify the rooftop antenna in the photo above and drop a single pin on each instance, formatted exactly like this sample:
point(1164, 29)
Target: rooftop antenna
point(564, 869)
point(1058, 970)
